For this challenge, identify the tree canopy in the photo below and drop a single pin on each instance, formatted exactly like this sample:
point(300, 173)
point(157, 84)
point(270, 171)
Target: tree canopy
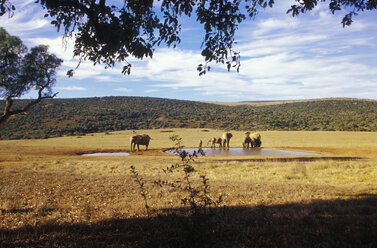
point(22, 71)
point(107, 33)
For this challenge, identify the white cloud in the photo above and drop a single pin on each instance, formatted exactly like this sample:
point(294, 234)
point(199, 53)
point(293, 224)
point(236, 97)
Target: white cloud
point(273, 25)
point(127, 90)
point(56, 46)
point(71, 88)
point(308, 56)
point(151, 91)
point(26, 19)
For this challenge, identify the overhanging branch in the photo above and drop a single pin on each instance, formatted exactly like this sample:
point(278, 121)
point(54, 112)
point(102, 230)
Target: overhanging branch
point(9, 103)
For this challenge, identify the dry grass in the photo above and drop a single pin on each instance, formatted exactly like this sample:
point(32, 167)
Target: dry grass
point(365, 142)
point(49, 194)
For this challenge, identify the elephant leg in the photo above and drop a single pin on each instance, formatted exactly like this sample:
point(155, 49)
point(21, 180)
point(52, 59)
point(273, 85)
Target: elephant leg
point(138, 148)
point(146, 147)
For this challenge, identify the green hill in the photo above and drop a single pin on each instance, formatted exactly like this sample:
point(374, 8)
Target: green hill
point(58, 117)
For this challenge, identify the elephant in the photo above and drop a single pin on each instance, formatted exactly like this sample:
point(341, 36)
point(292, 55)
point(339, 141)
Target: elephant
point(254, 140)
point(247, 141)
point(140, 140)
point(226, 138)
point(215, 141)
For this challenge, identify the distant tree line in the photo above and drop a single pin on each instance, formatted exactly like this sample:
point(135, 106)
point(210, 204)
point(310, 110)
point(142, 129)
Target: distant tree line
point(60, 117)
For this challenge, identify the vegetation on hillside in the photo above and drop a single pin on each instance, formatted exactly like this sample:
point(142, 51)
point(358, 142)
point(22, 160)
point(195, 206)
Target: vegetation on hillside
point(59, 117)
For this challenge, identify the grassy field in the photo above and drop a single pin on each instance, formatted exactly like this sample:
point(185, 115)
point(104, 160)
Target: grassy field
point(50, 196)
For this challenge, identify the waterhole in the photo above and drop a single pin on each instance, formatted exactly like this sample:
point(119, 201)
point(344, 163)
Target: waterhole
point(107, 154)
point(236, 151)
point(244, 152)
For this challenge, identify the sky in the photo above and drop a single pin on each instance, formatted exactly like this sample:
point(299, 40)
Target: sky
point(310, 56)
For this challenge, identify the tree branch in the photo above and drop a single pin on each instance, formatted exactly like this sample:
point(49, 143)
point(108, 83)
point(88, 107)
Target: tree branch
point(9, 102)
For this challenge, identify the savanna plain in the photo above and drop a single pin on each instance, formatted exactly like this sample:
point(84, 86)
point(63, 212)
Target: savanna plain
point(52, 196)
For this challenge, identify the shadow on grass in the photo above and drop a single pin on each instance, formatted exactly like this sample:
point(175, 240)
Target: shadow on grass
point(17, 210)
point(337, 223)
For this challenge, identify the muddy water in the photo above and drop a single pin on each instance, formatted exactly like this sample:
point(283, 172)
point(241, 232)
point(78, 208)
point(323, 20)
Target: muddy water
point(223, 152)
point(244, 152)
point(107, 154)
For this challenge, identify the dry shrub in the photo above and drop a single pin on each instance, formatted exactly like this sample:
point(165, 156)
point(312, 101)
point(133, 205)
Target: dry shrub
point(10, 200)
point(298, 171)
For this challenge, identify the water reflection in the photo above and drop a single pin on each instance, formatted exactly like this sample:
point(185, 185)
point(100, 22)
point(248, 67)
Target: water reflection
point(107, 154)
point(237, 151)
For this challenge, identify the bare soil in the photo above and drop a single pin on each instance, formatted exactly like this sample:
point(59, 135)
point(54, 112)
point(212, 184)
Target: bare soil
point(53, 197)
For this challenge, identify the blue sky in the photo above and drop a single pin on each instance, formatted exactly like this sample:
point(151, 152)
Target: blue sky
point(282, 58)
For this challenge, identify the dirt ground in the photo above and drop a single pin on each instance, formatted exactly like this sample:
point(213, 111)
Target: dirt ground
point(51, 196)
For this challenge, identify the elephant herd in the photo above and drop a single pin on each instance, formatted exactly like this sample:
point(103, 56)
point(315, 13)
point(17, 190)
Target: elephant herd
point(253, 141)
point(250, 140)
point(222, 141)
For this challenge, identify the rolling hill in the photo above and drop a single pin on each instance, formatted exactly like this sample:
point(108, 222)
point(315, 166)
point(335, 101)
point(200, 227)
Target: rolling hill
point(79, 116)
